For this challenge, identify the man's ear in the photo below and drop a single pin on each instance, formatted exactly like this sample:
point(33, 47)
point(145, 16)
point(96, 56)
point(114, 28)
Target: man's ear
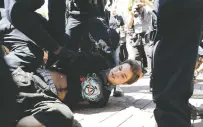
point(141, 76)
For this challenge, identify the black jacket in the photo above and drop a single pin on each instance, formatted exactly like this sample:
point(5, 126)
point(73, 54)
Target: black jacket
point(25, 52)
point(8, 92)
point(90, 63)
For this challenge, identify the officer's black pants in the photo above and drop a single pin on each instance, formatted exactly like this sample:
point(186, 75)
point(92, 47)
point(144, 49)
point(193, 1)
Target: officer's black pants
point(21, 13)
point(174, 61)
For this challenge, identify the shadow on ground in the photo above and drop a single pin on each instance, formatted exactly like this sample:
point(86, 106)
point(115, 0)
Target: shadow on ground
point(199, 124)
point(114, 105)
point(136, 89)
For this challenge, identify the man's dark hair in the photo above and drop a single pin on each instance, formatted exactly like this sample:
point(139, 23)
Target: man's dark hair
point(135, 67)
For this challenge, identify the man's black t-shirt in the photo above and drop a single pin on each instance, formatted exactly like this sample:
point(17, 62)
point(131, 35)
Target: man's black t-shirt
point(96, 89)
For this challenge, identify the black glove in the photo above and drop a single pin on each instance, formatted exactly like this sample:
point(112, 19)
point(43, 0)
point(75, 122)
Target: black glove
point(63, 62)
point(66, 55)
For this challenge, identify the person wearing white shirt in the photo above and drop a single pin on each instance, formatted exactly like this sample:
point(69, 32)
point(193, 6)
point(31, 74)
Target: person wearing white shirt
point(138, 41)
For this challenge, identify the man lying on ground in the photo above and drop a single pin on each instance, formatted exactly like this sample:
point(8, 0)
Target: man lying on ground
point(87, 27)
point(38, 105)
point(93, 87)
point(40, 101)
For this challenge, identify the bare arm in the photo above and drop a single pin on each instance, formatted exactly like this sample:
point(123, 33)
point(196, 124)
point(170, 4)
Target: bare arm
point(149, 3)
point(130, 23)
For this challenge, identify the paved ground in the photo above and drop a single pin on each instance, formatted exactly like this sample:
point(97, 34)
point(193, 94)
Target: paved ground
point(134, 109)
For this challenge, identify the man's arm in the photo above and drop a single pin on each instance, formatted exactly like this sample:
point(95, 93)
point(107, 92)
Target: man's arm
point(148, 14)
point(131, 20)
point(23, 17)
point(56, 22)
point(108, 4)
point(149, 3)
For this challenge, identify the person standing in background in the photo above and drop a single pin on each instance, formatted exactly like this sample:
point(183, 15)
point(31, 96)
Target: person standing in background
point(116, 22)
point(138, 38)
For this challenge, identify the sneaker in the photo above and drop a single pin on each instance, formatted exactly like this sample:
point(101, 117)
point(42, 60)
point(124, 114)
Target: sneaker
point(197, 94)
point(196, 112)
point(117, 92)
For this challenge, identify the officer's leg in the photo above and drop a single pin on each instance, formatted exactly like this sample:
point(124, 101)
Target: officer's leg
point(124, 53)
point(148, 46)
point(50, 114)
point(177, 51)
point(133, 51)
point(57, 9)
point(21, 13)
point(21, 51)
point(76, 19)
point(75, 29)
point(144, 57)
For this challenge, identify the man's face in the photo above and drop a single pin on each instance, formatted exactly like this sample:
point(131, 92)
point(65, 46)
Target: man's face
point(139, 3)
point(120, 74)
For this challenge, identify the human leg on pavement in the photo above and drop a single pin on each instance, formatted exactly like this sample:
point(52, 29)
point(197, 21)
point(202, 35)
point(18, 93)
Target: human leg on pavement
point(180, 37)
point(22, 15)
point(134, 51)
point(21, 51)
point(148, 47)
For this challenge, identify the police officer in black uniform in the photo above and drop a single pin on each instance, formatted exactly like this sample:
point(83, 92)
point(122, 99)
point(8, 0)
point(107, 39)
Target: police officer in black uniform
point(46, 34)
point(179, 27)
